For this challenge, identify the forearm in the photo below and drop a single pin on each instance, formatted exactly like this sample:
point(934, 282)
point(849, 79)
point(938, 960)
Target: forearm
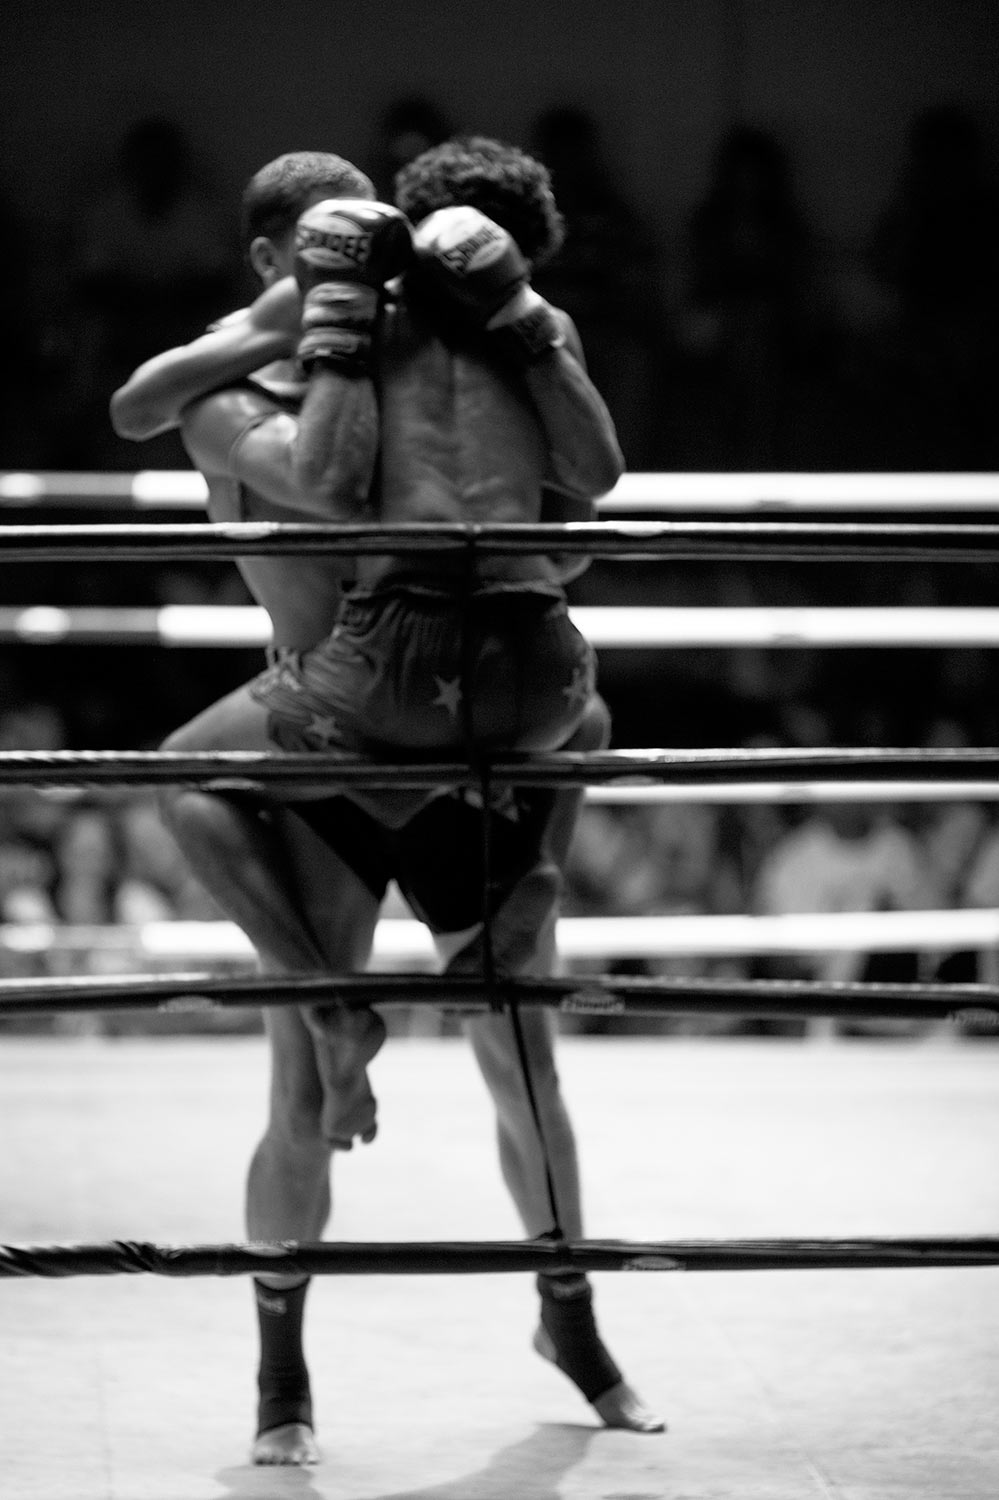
point(334, 452)
point(584, 457)
point(153, 398)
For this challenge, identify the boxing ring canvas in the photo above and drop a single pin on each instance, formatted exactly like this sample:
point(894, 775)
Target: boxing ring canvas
point(781, 1385)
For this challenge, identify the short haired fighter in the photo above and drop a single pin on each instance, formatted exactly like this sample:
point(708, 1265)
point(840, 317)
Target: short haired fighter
point(238, 394)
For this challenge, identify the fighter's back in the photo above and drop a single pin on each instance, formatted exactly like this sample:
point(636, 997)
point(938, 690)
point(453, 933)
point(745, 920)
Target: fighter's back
point(460, 442)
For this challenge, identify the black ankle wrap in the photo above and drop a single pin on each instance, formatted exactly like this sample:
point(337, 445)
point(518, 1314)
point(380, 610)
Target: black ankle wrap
point(567, 1318)
point(282, 1379)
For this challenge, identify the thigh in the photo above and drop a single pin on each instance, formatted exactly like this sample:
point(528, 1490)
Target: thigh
point(245, 720)
point(593, 734)
point(236, 722)
point(339, 906)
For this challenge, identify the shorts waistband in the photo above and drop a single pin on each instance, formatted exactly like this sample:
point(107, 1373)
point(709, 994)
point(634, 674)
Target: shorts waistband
point(453, 592)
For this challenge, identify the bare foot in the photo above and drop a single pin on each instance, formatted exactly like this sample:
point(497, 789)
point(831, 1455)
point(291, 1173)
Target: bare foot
point(346, 1041)
point(620, 1406)
point(291, 1444)
point(623, 1407)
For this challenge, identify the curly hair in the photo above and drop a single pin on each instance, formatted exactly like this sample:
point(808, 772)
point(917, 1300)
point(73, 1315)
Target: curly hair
point(276, 195)
point(501, 181)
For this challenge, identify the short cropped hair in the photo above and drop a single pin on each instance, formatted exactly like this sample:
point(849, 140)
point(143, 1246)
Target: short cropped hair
point(501, 181)
point(276, 195)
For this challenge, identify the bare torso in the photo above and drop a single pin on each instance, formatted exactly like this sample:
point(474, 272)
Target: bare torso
point(459, 443)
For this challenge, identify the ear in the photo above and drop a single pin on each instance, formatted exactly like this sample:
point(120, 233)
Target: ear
point(263, 259)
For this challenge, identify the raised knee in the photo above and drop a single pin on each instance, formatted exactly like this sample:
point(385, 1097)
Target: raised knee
point(190, 813)
point(594, 729)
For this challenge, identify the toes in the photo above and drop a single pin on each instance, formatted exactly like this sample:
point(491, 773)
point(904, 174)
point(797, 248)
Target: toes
point(293, 1445)
point(621, 1407)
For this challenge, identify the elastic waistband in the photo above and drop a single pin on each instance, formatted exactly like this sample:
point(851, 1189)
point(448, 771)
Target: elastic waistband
point(451, 592)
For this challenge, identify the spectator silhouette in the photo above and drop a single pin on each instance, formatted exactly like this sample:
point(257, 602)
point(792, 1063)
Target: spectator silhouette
point(405, 129)
point(842, 858)
point(745, 320)
point(606, 277)
point(153, 263)
point(933, 254)
point(22, 434)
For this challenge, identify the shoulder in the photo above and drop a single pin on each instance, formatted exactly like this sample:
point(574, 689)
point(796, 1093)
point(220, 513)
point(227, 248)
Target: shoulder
point(234, 403)
point(569, 332)
point(213, 427)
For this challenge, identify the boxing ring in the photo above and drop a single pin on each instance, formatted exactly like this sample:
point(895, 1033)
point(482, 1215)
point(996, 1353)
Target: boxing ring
point(631, 775)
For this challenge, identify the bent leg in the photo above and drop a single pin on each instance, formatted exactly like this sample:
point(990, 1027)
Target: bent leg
point(288, 1186)
point(537, 1145)
point(231, 843)
point(567, 1334)
point(528, 878)
point(287, 1197)
point(303, 908)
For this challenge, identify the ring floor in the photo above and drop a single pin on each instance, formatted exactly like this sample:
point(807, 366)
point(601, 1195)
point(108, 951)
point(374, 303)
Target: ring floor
point(843, 1385)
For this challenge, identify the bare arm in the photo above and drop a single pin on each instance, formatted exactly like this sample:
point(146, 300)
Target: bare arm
point(333, 457)
point(153, 398)
point(584, 456)
point(241, 434)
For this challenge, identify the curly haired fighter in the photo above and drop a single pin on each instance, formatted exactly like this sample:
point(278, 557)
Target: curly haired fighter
point(304, 905)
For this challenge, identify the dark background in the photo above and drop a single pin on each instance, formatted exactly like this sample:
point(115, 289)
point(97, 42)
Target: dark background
point(783, 225)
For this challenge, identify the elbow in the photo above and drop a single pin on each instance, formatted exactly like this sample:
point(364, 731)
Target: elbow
point(600, 475)
point(130, 418)
point(122, 418)
point(611, 471)
point(614, 465)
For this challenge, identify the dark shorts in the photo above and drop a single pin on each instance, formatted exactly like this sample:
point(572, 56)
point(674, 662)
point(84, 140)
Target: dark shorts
point(438, 857)
point(412, 671)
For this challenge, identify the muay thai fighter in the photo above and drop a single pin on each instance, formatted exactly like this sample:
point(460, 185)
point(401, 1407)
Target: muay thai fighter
point(307, 907)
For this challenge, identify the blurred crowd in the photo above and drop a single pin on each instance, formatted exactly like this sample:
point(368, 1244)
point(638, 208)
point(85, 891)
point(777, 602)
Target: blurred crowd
point(103, 860)
point(743, 342)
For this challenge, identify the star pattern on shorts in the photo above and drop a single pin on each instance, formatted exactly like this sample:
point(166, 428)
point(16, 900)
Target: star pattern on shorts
point(448, 694)
point(579, 689)
point(504, 804)
point(324, 726)
point(502, 801)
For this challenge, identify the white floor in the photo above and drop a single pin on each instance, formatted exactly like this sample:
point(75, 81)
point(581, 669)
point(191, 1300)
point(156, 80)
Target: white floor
point(860, 1385)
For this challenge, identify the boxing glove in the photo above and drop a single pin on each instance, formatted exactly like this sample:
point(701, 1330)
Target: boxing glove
point(477, 270)
point(346, 249)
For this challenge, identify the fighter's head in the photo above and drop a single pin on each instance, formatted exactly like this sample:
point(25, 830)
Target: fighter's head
point(282, 190)
point(501, 181)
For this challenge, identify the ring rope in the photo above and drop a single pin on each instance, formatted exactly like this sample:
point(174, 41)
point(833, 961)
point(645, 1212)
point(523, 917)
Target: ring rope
point(784, 541)
point(801, 542)
point(444, 1257)
point(186, 489)
point(251, 769)
point(602, 994)
point(606, 627)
